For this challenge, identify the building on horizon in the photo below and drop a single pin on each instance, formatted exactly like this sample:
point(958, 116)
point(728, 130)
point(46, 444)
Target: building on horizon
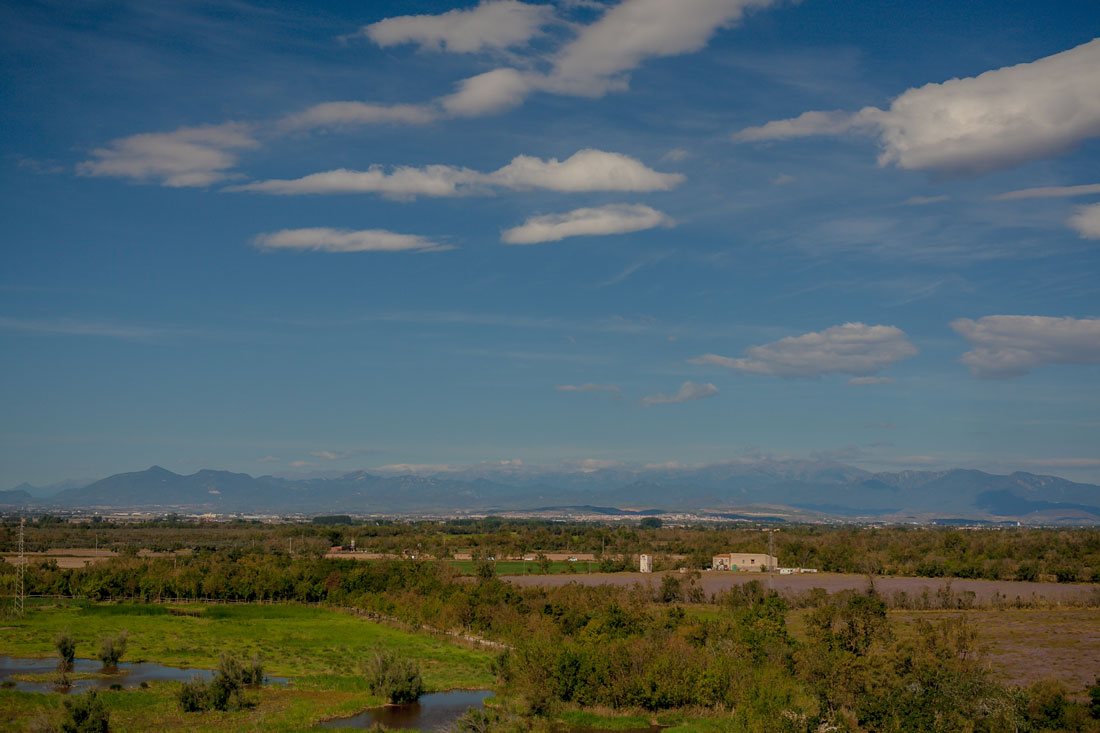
point(751, 562)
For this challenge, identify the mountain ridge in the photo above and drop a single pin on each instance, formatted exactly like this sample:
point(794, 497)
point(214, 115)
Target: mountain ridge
point(826, 488)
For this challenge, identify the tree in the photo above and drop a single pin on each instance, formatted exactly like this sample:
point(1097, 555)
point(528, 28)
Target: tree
point(65, 645)
point(111, 649)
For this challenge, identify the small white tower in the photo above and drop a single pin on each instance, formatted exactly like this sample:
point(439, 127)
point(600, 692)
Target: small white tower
point(645, 563)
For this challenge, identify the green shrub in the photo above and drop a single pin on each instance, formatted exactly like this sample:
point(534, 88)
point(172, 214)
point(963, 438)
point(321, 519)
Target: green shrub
point(226, 690)
point(85, 714)
point(397, 680)
point(111, 649)
point(65, 645)
point(192, 696)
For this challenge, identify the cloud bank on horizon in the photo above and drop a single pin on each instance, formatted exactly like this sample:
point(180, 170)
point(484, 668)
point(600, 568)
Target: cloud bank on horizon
point(617, 197)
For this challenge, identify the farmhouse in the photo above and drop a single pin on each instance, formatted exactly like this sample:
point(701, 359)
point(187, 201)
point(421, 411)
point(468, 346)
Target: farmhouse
point(745, 561)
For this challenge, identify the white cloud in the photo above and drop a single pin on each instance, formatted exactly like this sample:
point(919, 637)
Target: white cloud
point(688, 392)
point(676, 155)
point(1009, 346)
point(994, 120)
point(323, 239)
point(806, 124)
point(300, 464)
point(1086, 221)
point(852, 348)
point(867, 381)
point(493, 91)
point(599, 60)
point(187, 157)
point(602, 220)
point(584, 171)
point(402, 182)
point(347, 114)
point(589, 387)
point(496, 24)
point(1049, 192)
point(628, 34)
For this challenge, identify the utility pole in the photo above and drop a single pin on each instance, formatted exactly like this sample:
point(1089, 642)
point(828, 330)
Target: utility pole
point(21, 598)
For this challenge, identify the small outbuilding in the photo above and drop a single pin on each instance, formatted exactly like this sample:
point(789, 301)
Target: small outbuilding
point(751, 562)
point(645, 563)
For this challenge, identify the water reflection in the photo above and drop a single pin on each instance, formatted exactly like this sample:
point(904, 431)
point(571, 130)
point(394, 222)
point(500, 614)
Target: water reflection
point(434, 712)
point(128, 674)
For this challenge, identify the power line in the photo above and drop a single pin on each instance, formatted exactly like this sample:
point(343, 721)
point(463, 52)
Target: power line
point(20, 598)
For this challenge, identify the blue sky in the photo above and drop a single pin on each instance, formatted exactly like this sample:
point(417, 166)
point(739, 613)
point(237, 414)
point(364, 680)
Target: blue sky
point(303, 237)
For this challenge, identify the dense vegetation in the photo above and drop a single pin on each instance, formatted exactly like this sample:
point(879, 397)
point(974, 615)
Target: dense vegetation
point(995, 553)
point(741, 660)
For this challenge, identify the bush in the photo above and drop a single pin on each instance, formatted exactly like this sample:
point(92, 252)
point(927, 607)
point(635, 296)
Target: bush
point(397, 680)
point(65, 645)
point(192, 696)
point(112, 649)
point(226, 690)
point(85, 714)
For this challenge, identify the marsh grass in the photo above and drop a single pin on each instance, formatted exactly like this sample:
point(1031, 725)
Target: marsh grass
point(320, 649)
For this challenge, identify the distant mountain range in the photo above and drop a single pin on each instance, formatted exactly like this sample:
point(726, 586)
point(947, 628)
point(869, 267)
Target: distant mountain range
point(795, 489)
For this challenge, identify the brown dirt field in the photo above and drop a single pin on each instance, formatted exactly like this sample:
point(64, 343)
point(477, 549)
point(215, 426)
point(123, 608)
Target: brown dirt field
point(64, 559)
point(78, 557)
point(1026, 645)
point(715, 581)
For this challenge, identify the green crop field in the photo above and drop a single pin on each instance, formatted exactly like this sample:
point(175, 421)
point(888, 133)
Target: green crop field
point(320, 649)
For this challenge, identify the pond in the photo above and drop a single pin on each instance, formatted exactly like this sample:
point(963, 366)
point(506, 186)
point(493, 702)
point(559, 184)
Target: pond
point(433, 712)
point(129, 674)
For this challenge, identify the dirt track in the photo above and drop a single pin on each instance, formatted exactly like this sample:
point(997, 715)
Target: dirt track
point(714, 581)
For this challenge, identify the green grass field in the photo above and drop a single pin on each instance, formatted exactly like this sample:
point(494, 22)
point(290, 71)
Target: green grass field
point(320, 649)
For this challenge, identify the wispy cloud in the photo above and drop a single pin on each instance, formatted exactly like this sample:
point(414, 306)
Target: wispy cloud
point(490, 25)
point(584, 171)
point(1010, 346)
point(852, 348)
point(1049, 192)
point(352, 114)
point(925, 200)
point(688, 392)
point(187, 157)
point(78, 327)
point(1086, 221)
point(868, 381)
point(322, 239)
point(589, 387)
point(342, 455)
point(598, 221)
